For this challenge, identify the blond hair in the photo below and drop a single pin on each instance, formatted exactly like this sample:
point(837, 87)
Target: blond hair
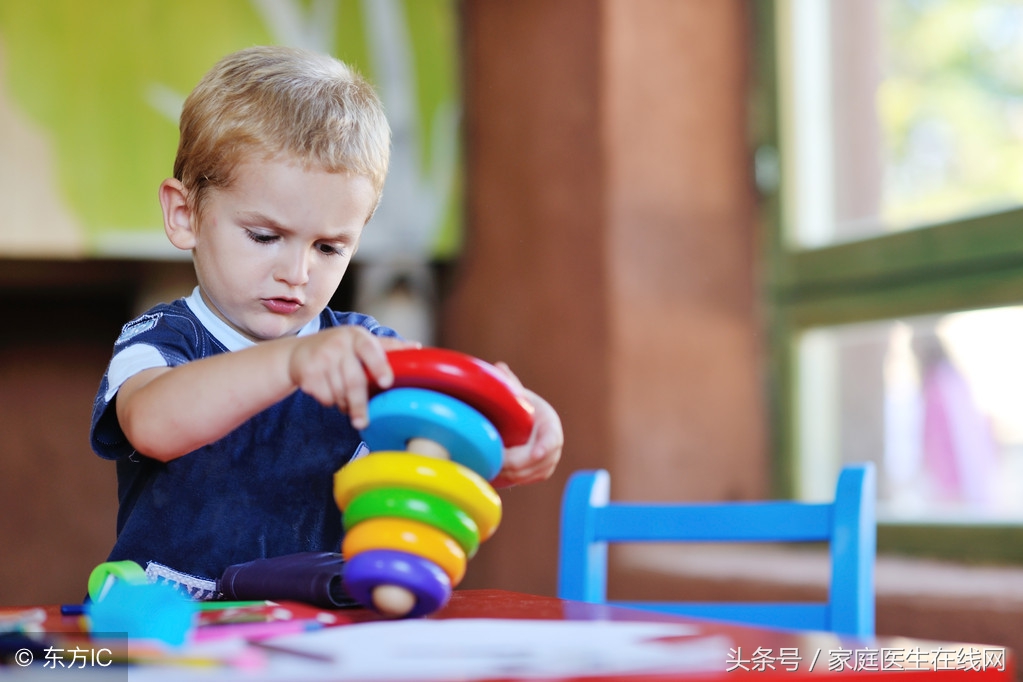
point(280, 101)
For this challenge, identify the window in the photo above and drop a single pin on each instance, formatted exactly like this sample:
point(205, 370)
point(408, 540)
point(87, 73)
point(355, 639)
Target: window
point(892, 168)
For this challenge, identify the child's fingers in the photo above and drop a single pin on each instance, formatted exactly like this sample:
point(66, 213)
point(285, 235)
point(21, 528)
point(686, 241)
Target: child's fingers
point(518, 466)
point(536, 460)
point(353, 390)
point(527, 464)
point(371, 353)
point(392, 343)
point(510, 375)
point(366, 363)
point(550, 436)
point(318, 384)
point(531, 473)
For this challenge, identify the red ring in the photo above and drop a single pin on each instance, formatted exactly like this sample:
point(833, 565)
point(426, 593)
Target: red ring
point(470, 380)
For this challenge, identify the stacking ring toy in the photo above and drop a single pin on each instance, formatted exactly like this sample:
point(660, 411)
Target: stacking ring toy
point(470, 380)
point(416, 506)
point(407, 536)
point(420, 577)
point(452, 482)
point(402, 414)
point(416, 509)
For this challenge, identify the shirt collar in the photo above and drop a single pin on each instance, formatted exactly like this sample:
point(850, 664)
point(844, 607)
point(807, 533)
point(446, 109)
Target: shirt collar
point(231, 338)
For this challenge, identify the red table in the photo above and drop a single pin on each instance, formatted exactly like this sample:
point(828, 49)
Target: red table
point(764, 654)
point(760, 653)
point(750, 652)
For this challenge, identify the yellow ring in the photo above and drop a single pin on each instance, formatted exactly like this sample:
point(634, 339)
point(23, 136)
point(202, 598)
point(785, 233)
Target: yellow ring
point(407, 536)
point(459, 485)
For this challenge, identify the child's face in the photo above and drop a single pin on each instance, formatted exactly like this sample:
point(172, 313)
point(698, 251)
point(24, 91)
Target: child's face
point(272, 248)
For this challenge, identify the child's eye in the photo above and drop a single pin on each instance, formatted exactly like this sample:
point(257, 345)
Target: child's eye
point(261, 238)
point(330, 250)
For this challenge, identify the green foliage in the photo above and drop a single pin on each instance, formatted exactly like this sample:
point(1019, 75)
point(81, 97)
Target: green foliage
point(951, 107)
point(86, 74)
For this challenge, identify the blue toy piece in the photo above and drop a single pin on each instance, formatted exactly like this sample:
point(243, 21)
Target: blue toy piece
point(147, 611)
point(589, 521)
point(398, 415)
point(366, 571)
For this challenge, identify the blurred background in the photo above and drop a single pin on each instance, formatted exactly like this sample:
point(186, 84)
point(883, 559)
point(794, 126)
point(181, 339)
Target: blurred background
point(736, 243)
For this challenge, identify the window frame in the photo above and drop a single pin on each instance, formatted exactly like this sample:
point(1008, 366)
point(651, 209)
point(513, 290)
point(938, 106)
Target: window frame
point(974, 262)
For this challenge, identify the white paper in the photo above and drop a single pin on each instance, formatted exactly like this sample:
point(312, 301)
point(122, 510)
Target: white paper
point(466, 649)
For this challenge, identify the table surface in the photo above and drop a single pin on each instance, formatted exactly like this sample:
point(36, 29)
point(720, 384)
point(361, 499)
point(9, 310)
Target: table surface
point(766, 654)
point(698, 649)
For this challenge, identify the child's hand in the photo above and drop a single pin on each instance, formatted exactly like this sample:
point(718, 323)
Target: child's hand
point(535, 460)
point(335, 366)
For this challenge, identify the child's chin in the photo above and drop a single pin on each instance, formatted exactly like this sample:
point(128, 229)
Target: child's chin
point(269, 327)
point(270, 336)
point(267, 332)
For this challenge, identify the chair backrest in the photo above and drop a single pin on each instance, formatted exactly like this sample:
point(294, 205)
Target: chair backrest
point(589, 521)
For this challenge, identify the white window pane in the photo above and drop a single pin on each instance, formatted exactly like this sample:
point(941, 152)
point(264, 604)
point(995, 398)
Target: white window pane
point(936, 402)
point(899, 113)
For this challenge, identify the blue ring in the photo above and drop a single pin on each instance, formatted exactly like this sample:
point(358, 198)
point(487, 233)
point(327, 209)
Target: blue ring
point(400, 414)
point(423, 578)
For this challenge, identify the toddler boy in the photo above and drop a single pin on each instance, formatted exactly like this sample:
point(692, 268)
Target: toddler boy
point(228, 412)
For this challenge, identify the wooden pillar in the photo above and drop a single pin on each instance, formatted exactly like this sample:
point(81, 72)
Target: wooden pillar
point(609, 255)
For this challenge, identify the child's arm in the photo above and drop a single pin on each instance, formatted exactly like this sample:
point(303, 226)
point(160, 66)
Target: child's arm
point(536, 460)
point(168, 412)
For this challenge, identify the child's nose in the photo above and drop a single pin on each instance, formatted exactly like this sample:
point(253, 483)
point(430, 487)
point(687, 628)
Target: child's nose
point(293, 267)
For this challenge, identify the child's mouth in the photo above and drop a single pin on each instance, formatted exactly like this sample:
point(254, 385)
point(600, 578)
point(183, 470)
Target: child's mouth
point(281, 306)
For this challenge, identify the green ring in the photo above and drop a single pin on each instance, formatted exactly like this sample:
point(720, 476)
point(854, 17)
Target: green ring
point(128, 571)
point(418, 506)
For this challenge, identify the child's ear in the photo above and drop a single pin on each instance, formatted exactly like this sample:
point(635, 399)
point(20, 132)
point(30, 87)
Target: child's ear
point(177, 215)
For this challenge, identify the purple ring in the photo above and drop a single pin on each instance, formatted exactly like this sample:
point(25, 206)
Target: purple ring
point(423, 578)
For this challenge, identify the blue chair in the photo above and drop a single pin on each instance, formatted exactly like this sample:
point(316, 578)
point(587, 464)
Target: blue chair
point(589, 521)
